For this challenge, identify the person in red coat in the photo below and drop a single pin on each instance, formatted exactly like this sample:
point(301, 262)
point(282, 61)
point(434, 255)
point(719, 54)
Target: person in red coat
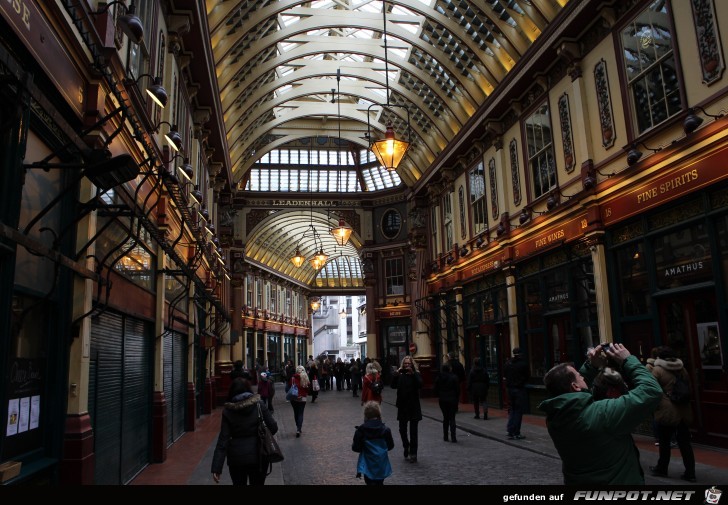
point(367, 392)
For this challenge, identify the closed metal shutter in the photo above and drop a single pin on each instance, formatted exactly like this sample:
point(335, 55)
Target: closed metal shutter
point(175, 383)
point(120, 388)
point(105, 394)
point(138, 385)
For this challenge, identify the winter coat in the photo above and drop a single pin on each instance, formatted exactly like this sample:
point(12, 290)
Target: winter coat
point(408, 395)
point(266, 388)
point(669, 413)
point(478, 382)
point(238, 439)
point(372, 440)
point(366, 389)
point(447, 388)
point(516, 372)
point(457, 368)
point(302, 391)
point(594, 437)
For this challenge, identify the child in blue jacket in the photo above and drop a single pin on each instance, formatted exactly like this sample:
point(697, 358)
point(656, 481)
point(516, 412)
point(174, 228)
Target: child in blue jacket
point(373, 440)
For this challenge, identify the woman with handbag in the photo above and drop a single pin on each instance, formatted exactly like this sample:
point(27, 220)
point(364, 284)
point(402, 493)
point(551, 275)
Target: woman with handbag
point(408, 383)
point(300, 380)
point(238, 441)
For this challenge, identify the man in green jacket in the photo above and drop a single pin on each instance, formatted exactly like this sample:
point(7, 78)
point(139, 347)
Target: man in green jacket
point(594, 437)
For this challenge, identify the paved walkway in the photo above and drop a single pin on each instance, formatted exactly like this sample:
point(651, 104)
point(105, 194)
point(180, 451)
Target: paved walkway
point(483, 454)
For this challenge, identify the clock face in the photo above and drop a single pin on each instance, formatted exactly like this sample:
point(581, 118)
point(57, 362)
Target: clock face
point(391, 224)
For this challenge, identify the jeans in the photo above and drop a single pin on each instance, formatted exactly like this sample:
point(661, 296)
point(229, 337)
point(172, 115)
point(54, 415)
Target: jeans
point(241, 474)
point(665, 434)
point(517, 402)
point(298, 413)
point(411, 444)
point(449, 410)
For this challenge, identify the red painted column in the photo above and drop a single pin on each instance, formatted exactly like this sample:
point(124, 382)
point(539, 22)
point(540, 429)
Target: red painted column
point(77, 465)
point(191, 405)
point(159, 427)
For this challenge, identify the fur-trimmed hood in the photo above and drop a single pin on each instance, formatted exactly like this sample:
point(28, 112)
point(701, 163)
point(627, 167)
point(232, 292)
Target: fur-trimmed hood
point(673, 365)
point(243, 401)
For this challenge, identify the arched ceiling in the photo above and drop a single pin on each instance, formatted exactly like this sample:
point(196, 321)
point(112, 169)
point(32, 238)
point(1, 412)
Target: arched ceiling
point(278, 62)
point(275, 239)
point(291, 69)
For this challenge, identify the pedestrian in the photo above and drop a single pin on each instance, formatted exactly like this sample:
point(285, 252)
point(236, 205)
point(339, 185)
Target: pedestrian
point(267, 390)
point(238, 371)
point(339, 374)
point(238, 439)
point(313, 375)
point(326, 374)
point(459, 370)
point(478, 384)
point(516, 375)
point(408, 382)
point(373, 440)
point(355, 378)
point(594, 437)
point(300, 379)
point(447, 389)
point(371, 379)
point(672, 418)
point(289, 371)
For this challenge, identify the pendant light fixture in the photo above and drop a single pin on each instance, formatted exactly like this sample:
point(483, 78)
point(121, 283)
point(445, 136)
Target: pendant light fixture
point(390, 150)
point(342, 232)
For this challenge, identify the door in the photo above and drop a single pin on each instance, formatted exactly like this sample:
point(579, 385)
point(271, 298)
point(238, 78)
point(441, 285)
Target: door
point(689, 324)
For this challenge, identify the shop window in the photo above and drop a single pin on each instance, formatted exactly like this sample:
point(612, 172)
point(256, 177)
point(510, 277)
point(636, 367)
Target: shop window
point(633, 280)
point(650, 66)
point(129, 255)
point(478, 203)
point(682, 257)
point(175, 292)
point(540, 151)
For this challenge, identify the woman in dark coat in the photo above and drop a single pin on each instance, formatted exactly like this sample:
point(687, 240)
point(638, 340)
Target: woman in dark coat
point(478, 384)
point(447, 388)
point(238, 440)
point(408, 382)
point(313, 374)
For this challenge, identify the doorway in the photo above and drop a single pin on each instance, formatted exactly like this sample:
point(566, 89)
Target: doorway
point(689, 324)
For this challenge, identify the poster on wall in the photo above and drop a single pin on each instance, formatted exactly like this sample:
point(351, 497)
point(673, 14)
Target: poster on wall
point(711, 355)
point(13, 415)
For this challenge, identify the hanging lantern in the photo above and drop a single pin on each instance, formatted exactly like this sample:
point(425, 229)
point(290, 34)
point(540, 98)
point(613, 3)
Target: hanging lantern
point(315, 304)
point(298, 258)
point(342, 232)
point(390, 150)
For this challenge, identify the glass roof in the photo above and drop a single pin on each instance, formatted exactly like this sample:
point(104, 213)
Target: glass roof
point(343, 70)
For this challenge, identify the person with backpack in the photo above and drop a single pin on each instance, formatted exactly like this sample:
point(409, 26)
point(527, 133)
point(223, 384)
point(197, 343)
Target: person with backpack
point(674, 413)
point(373, 440)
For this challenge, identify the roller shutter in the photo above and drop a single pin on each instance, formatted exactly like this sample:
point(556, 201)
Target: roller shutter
point(120, 388)
point(175, 383)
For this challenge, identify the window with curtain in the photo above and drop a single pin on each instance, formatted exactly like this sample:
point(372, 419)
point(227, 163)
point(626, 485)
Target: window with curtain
point(447, 223)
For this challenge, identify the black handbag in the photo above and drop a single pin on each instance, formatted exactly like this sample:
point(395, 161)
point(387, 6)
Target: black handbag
point(269, 451)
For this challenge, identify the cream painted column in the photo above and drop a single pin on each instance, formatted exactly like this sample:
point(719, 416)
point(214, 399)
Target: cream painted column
point(601, 286)
point(512, 306)
point(159, 305)
point(83, 289)
point(580, 119)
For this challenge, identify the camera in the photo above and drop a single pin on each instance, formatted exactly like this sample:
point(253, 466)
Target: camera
point(606, 346)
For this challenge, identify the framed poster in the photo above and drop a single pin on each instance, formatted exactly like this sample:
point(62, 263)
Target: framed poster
point(711, 354)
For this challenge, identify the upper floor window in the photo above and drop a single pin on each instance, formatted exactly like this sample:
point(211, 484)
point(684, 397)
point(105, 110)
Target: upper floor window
point(250, 285)
point(434, 228)
point(394, 276)
point(650, 67)
point(540, 151)
point(447, 222)
point(478, 205)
